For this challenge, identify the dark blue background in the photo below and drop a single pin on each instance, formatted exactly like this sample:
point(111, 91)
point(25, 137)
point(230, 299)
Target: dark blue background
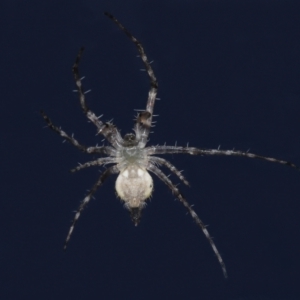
point(229, 74)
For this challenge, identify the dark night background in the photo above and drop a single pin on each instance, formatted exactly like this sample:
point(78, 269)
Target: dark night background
point(229, 74)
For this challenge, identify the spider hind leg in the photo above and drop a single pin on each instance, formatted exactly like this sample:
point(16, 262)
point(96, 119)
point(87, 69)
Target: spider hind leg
point(86, 200)
point(198, 221)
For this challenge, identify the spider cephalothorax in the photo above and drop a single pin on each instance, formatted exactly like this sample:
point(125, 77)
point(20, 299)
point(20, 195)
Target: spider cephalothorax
point(131, 158)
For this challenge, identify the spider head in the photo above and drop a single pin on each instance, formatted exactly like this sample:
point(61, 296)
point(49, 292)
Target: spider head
point(130, 140)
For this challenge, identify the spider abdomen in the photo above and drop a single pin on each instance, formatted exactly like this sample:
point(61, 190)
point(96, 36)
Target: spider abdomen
point(134, 185)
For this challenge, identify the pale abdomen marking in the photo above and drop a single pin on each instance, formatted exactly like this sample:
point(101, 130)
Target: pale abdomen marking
point(134, 185)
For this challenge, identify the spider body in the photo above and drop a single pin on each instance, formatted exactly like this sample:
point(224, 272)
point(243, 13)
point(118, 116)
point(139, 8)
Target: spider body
point(134, 185)
point(132, 160)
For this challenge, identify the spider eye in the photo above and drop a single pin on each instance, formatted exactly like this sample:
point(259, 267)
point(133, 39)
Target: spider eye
point(129, 137)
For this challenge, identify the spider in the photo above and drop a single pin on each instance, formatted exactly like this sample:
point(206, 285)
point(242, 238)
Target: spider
point(131, 158)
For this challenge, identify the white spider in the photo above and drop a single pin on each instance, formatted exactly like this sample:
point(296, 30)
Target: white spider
point(131, 158)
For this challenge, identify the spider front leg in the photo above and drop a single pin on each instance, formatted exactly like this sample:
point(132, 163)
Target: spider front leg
point(86, 200)
point(108, 130)
point(199, 151)
point(179, 196)
point(144, 119)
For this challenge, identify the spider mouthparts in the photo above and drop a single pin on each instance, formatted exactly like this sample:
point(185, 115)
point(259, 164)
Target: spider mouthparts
point(135, 214)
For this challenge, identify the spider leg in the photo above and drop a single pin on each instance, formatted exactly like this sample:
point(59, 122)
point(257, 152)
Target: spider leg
point(58, 130)
point(144, 118)
point(86, 200)
point(178, 195)
point(162, 161)
point(108, 130)
point(199, 151)
point(98, 162)
point(101, 150)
